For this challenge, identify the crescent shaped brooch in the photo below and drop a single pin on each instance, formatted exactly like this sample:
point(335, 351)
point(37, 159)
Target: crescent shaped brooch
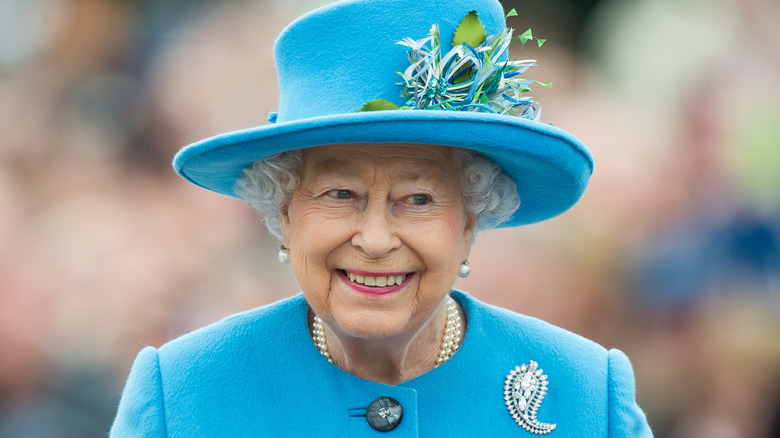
point(524, 390)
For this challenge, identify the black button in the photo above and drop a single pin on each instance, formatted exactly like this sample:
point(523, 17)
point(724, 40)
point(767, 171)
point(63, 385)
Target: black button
point(384, 414)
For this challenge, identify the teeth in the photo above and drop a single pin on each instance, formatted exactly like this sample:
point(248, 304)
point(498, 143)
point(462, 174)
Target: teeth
point(388, 280)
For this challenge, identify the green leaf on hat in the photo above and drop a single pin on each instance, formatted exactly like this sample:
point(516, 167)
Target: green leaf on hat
point(527, 35)
point(470, 31)
point(541, 41)
point(512, 13)
point(379, 105)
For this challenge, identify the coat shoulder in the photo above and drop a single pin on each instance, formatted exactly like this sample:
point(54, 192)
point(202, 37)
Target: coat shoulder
point(523, 333)
point(237, 334)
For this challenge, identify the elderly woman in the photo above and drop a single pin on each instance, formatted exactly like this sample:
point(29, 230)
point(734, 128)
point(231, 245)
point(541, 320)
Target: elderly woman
point(376, 185)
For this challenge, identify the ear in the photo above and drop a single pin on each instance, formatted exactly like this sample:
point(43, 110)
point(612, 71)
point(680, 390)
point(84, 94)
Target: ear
point(284, 221)
point(469, 232)
point(471, 223)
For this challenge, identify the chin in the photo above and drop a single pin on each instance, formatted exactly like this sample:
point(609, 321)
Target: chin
point(371, 324)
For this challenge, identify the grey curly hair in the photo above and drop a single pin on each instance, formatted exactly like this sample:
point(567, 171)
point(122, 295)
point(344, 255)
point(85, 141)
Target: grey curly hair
point(487, 191)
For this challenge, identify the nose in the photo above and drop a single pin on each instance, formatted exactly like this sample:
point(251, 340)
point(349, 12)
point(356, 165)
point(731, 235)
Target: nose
point(376, 232)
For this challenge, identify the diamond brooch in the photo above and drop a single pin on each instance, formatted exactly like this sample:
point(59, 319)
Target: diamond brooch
point(524, 390)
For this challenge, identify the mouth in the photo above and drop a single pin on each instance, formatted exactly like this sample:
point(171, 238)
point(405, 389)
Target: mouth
point(375, 284)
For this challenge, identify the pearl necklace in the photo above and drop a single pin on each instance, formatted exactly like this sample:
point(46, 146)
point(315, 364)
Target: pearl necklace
point(450, 339)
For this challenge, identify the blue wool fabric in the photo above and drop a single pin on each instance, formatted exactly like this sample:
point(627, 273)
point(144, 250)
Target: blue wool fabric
point(258, 373)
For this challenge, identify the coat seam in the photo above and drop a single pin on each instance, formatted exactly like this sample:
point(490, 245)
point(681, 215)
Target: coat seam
point(609, 392)
point(162, 394)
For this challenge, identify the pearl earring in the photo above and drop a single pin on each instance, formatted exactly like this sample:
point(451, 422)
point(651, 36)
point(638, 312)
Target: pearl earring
point(464, 269)
point(284, 255)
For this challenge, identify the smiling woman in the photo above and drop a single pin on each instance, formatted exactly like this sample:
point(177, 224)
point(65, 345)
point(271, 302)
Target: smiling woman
point(379, 211)
point(376, 191)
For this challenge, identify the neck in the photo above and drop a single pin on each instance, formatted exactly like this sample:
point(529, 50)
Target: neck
point(390, 360)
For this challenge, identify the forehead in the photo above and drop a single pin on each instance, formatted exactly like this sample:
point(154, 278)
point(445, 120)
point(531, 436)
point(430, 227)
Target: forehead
point(407, 161)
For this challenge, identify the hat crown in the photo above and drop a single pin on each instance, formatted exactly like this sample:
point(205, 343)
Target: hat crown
point(336, 58)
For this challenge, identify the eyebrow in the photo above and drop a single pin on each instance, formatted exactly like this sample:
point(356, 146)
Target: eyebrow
point(418, 174)
point(333, 165)
point(336, 166)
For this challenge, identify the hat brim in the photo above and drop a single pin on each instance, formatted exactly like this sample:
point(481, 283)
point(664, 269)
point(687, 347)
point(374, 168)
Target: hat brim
point(550, 166)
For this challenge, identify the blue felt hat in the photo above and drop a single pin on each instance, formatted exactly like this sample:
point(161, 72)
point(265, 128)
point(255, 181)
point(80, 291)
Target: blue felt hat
point(337, 58)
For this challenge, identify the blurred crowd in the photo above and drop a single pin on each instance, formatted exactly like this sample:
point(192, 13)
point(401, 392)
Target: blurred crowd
point(673, 254)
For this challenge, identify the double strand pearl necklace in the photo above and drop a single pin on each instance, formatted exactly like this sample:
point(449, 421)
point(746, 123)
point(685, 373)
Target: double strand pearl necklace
point(450, 339)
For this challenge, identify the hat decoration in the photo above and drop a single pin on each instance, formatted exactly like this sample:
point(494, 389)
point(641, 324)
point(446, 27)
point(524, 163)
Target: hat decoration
point(474, 75)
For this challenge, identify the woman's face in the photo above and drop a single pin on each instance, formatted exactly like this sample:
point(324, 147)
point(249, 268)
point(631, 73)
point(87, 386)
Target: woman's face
point(376, 234)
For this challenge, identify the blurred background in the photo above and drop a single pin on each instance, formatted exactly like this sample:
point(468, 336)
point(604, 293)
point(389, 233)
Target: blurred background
point(673, 254)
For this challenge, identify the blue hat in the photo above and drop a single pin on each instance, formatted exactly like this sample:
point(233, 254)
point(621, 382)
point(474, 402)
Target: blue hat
point(346, 56)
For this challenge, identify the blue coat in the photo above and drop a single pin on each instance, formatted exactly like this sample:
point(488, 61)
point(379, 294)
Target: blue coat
point(258, 373)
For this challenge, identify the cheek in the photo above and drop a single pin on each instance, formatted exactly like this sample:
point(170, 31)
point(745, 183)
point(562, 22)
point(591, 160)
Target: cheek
point(443, 245)
point(309, 222)
point(450, 232)
point(311, 238)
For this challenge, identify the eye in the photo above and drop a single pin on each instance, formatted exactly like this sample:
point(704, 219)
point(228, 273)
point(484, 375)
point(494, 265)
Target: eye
point(341, 194)
point(419, 199)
